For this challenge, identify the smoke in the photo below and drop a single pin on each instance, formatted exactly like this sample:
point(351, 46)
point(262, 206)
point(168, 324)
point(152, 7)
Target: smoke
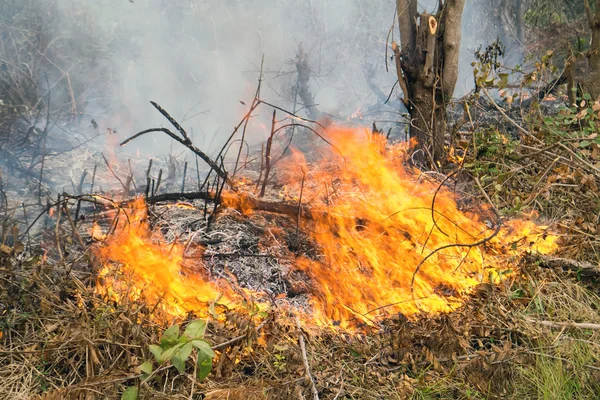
point(200, 60)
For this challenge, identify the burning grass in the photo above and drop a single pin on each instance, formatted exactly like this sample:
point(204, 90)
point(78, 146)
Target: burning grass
point(499, 325)
point(387, 242)
point(62, 339)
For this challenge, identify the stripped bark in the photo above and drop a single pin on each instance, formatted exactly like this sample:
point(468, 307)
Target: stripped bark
point(427, 68)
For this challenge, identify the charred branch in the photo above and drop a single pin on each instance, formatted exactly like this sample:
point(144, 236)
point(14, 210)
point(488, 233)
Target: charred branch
point(303, 86)
point(184, 140)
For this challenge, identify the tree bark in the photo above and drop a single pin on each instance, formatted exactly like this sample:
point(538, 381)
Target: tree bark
point(591, 80)
point(427, 67)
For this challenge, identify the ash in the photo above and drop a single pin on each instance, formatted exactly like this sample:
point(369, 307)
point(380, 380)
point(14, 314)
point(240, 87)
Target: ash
point(255, 251)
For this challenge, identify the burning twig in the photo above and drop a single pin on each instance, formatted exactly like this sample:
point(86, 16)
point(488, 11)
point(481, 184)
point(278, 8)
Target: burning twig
point(468, 245)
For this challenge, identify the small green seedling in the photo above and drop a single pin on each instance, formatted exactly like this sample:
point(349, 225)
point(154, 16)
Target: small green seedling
point(177, 349)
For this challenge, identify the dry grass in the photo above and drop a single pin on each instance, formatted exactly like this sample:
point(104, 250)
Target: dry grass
point(60, 340)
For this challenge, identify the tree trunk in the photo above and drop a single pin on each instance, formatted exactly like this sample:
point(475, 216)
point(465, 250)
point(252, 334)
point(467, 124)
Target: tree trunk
point(427, 68)
point(590, 81)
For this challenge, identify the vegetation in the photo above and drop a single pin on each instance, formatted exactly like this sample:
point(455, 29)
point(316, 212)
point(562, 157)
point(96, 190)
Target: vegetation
point(525, 142)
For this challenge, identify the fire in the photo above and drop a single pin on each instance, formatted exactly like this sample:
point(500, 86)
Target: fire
point(378, 227)
point(384, 249)
point(96, 232)
point(156, 270)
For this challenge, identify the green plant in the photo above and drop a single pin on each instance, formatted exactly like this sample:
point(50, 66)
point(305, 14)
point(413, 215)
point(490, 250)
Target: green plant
point(177, 349)
point(578, 122)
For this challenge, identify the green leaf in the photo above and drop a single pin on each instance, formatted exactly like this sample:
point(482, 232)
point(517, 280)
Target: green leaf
point(131, 393)
point(203, 347)
point(355, 353)
point(584, 143)
point(587, 96)
point(280, 348)
point(157, 351)
point(180, 357)
point(170, 337)
point(195, 329)
point(169, 353)
point(146, 367)
point(204, 367)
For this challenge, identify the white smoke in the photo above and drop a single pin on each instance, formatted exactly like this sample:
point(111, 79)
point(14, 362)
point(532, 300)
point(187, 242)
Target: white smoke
point(200, 59)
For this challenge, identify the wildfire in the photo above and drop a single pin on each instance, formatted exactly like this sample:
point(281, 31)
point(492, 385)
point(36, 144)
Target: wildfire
point(384, 248)
point(379, 228)
point(156, 270)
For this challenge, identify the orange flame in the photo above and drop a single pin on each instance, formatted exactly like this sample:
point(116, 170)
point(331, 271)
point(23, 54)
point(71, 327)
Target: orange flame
point(156, 270)
point(384, 251)
point(379, 227)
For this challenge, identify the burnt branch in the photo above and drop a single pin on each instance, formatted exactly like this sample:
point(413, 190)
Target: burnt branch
point(187, 143)
point(303, 87)
point(268, 156)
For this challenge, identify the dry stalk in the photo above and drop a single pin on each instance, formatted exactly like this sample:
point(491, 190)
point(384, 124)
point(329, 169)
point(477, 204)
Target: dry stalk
point(313, 386)
point(552, 324)
point(268, 156)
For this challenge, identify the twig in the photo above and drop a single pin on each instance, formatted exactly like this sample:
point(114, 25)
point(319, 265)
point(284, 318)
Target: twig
point(42, 171)
point(187, 143)
point(480, 186)
point(578, 325)
point(115, 175)
point(148, 179)
point(56, 230)
point(468, 245)
point(583, 268)
point(198, 174)
point(93, 178)
point(535, 192)
point(268, 156)
point(300, 203)
point(255, 103)
point(184, 176)
point(238, 338)
point(313, 386)
point(81, 181)
point(72, 223)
